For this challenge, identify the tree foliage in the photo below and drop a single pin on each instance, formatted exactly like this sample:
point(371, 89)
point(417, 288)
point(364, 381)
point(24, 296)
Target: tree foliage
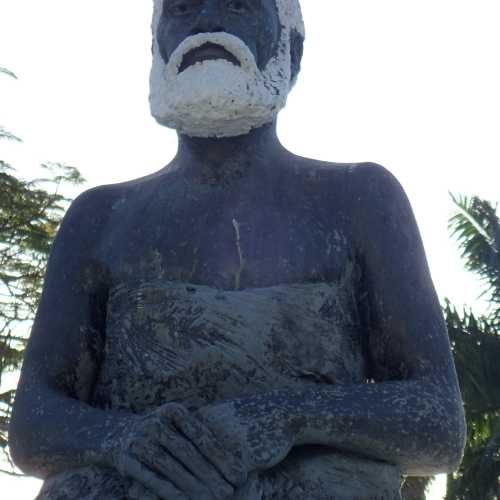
point(414, 488)
point(6, 71)
point(476, 348)
point(477, 228)
point(30, 213)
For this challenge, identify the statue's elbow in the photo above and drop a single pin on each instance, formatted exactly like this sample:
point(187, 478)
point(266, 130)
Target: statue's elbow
point(442, 444)
point(17, 446)
point(22, 446)
point(457, 442)
point(453, 441)
point(450, 459)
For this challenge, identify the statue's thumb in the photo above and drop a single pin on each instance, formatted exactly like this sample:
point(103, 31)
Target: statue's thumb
point(251, 490)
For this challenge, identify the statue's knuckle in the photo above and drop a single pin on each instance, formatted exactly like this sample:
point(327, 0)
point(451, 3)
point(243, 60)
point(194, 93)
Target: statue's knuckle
point(204, 494)
point(136, 447)
point(174, 407)
point(238, 472)
point(175, 411)
point(224, 491)
point(196, 429)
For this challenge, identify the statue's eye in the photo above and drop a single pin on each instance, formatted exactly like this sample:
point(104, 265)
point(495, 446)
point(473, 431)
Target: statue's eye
point(181, 7)
point(237, 6)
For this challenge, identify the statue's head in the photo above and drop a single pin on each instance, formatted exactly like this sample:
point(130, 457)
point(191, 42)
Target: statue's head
point(223, 67)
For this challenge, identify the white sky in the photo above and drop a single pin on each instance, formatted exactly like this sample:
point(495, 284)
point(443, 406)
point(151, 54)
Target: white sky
point(411, 85)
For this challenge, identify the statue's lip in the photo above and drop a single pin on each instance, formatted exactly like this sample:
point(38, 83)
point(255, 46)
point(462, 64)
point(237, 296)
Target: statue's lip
point(206, 52)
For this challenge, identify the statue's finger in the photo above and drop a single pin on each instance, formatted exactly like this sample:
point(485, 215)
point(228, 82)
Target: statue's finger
point(204, 440)
point(139, 492)
point(190, 457)
point(159, 459)
point(161, 487)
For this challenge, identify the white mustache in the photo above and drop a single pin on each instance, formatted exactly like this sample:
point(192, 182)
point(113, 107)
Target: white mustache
point(234, 45)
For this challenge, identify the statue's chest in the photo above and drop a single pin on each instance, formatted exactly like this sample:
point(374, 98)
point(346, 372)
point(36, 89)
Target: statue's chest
point(210, 302)
point(231, 247)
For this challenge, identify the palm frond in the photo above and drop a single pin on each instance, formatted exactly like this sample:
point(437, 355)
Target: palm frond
point(476, 226)
point(5, 134)
point(7, 72)
point(478, 476)
point(476, 349)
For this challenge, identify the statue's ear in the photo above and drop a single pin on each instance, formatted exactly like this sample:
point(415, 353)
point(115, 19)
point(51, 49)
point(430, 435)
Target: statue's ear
point(296, 50)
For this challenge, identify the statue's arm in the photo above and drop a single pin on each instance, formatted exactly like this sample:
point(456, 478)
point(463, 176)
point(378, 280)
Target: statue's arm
point(55, 429)
point(410, 412)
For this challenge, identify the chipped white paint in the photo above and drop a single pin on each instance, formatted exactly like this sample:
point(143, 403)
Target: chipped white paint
point(290, 17)
point(215, 98)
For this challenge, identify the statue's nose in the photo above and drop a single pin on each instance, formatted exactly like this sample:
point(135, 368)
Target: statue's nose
point(210, 19)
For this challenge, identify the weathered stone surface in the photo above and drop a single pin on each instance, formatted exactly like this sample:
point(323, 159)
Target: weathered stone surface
point(307, 474)
point(197, 345)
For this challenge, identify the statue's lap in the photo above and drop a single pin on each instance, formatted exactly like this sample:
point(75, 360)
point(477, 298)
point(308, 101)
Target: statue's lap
point(308, 473)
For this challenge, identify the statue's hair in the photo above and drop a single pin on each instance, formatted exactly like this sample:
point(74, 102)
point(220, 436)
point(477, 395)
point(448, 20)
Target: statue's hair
point(290, 16)
point(289, 13)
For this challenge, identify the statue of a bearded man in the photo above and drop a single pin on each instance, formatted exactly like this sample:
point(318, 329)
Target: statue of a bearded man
point(245, 323)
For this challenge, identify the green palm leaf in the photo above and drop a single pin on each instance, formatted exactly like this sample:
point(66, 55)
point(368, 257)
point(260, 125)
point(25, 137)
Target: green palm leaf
point(477, 228)
point(476, 348)
point(5, 134)
point(6, 71)
point(478, 475)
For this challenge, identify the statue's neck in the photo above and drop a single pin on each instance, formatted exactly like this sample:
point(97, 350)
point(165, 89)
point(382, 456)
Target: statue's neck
point(200, 157)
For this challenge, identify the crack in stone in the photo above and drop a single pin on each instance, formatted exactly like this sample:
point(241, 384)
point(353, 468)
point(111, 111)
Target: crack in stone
point(237, 277)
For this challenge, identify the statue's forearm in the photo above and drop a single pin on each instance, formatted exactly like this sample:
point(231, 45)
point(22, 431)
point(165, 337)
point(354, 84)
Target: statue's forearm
point(53, 432)
point(415, 424)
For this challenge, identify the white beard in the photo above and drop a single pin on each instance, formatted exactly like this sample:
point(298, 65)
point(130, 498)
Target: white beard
point(216, 98)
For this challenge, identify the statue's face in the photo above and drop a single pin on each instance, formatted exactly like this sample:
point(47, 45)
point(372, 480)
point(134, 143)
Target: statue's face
point(221, 67)
point(255, 22)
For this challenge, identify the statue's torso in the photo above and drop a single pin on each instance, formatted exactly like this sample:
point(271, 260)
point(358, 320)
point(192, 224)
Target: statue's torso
point(227, 298)
point(216, 292)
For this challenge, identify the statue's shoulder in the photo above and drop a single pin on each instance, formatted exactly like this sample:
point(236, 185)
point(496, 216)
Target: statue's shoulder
point(376, 188)
point(373, 181)
point(365, 180)
point(97, 203)
point(368, 193)
point(92, 200)
point(87, 218)
point(92, 205)
point(363, 175)
point(378, 204)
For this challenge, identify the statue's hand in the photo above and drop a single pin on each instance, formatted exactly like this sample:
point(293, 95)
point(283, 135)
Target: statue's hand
point(259, 437)
point(175, 456)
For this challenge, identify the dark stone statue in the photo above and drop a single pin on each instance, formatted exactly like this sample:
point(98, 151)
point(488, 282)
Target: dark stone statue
point(244, 324)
